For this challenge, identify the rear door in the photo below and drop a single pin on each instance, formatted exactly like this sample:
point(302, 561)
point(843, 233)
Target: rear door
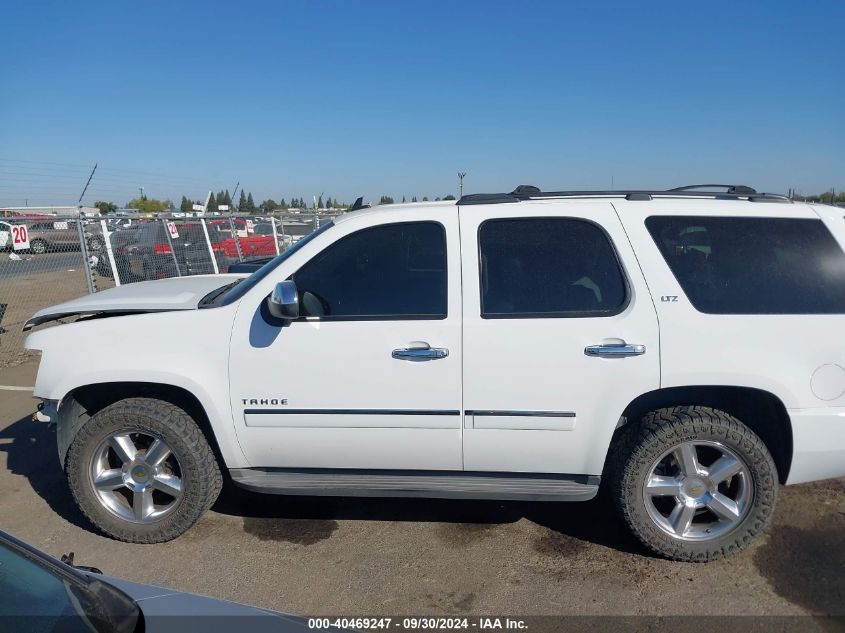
point(560, 334)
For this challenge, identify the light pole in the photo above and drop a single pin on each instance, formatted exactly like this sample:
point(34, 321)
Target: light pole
point(461, 175)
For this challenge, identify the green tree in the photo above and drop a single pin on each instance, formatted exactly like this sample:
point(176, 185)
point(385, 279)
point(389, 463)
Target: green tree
point(269, 205)
point(403, 199)
point(320, 202)
point(425, 199)
point(212, 204)
point(105, 207)
point(149, 205)
point(385, 200)
point(186, 205)
point(449, 197)
point(242, 202)
point(250, 203)
point(414, 199)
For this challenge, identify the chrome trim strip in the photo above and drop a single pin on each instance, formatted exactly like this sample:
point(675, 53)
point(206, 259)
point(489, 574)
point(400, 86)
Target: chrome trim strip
point(350, 412)
point(527, 414)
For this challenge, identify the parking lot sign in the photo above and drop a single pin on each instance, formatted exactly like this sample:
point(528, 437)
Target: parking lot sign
point(20, 237)
point(250, 227)
point(171, 227)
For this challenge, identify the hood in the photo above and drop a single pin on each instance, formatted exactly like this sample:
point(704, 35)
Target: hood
point(160, 606)
point(178, 293)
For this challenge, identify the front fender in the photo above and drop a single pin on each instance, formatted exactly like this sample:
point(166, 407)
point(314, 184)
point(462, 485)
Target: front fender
point(187, 349)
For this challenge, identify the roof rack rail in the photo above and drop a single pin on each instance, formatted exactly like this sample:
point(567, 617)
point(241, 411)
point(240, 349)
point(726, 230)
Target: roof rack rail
point(738, 189)
point(530, 192)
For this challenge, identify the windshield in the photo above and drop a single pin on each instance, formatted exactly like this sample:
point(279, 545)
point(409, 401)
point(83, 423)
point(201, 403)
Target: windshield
point(45, 595)
point(239, 290)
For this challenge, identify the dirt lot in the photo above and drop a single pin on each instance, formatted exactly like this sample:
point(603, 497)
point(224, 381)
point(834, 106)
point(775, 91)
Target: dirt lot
point(31, 283)
point(386, 556)
point(35, 282)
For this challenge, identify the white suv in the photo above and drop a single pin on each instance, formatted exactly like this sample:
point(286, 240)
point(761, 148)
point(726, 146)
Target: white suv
point(681, 347)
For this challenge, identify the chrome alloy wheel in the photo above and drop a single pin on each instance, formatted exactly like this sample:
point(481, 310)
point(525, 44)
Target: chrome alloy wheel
point(136, 476)
point(698, 490)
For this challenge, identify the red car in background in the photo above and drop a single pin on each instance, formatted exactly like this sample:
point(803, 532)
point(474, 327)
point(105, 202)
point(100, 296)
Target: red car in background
point(258, 243)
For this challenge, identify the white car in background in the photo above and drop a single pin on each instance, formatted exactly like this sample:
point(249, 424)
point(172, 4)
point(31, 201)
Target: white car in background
point(683, 348)
point(5, 236)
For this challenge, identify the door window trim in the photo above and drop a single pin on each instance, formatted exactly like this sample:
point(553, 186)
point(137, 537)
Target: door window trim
point(581, 314)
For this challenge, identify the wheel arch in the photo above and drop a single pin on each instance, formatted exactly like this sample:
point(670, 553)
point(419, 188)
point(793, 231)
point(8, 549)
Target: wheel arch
point(761, 411)
point(85, 401)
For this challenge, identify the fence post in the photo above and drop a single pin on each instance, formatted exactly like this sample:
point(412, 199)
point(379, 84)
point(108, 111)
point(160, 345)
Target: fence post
point(275, 235)
point(110, 252)
point(170, 245)
point(210, 248)
point(237, 241)
point(83, 248)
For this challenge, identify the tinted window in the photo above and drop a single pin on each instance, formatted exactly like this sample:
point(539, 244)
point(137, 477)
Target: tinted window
point(151, 233)
point(548, 267)
point(753, 265)
point(390, 271)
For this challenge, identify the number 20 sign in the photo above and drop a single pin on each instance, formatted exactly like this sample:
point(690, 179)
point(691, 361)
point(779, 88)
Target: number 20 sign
point(20, 237)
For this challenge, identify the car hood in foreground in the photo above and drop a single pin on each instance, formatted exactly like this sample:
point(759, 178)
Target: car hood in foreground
point(178, 293)
point(164, 610)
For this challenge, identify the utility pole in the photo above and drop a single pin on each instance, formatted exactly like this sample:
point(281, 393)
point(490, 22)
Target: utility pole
point(141, 189)
point(461, 175)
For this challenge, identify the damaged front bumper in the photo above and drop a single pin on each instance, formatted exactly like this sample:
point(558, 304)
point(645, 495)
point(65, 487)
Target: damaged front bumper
point(47, 411)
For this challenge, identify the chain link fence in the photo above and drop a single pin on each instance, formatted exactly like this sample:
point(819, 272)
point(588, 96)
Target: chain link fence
point(49, 260)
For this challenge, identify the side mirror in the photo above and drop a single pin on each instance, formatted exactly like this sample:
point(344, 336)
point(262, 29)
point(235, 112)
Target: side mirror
point(284, 302)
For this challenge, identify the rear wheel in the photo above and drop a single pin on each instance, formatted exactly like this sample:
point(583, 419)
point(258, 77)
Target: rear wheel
point(39, 247)
point(142, 471)
point(693, 483)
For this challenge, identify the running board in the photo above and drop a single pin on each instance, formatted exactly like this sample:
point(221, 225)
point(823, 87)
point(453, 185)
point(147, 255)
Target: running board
point(404, 483)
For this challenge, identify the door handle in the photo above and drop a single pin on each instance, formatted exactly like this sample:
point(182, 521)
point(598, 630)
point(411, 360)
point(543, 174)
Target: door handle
point(614, 350)
point(420, 351)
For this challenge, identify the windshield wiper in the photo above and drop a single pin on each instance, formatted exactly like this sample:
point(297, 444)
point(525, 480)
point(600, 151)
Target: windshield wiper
point(208, 300)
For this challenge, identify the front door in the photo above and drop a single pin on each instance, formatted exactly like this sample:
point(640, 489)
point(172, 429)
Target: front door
point(370, 376)
point(560, 334)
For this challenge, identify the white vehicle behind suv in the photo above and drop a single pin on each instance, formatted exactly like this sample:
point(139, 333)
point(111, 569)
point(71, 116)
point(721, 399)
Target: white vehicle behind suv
point(681, 347)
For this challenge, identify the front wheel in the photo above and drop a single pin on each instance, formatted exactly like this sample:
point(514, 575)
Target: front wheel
point(142, 471)
point(39, 247)
point(693, 483)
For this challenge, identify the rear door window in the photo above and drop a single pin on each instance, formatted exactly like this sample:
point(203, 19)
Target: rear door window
point(548, 267)
point(750, 265)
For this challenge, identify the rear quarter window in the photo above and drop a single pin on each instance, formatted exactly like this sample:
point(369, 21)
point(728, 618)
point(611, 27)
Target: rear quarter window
point(749, 265)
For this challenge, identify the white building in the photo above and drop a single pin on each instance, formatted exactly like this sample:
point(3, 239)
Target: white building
point(64, 212)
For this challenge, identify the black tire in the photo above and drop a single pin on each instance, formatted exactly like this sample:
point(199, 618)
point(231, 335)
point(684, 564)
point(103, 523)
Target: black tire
point(200, 473)
point(638, 448)
point(39, 247)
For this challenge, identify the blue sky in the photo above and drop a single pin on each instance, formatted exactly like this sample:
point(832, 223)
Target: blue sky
point(391, 97)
